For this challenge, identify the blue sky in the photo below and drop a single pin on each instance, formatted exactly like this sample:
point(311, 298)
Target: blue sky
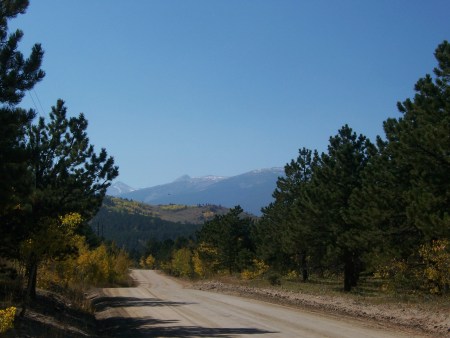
point(224, 87)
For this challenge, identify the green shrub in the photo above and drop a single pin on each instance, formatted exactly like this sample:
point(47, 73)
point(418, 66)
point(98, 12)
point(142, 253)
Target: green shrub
point(274, 279)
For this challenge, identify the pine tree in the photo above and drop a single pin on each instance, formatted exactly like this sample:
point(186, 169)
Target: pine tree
point(17, 76)
point(380, 204)
point(420, 140)
point(68, 176)
point(269, 237)
point(406, 189)
point(289, 249)
point(230, 235)
point(326, 202)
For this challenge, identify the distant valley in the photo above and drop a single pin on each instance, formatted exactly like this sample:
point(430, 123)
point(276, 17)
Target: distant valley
point(252, 190)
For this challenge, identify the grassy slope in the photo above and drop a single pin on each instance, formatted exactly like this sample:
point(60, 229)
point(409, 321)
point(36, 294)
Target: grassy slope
point(172, 212)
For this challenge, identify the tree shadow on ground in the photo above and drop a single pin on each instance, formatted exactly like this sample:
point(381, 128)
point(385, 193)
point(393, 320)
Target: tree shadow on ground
point(151, 327)
point(103, 303)
point(36, 325)
point(51, 315)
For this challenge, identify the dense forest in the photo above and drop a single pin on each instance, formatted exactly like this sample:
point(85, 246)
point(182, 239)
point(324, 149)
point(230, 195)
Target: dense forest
point(375, 208)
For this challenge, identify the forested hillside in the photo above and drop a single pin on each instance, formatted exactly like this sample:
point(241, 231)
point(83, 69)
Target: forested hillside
point(131, 224)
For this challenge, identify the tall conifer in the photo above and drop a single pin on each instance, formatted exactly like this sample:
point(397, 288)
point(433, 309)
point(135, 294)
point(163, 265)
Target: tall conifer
point(17, 76)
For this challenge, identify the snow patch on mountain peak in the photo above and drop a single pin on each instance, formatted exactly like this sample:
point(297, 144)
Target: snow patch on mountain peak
point(268, 170)
point(212, 178)
point(118, 188)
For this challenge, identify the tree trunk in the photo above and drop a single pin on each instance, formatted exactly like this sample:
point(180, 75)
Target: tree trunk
point(304, 267)
point(349, 272)
point(352, 268)
point(321, 272)
point(356, 270)
point(33, 281)
point(30, 292)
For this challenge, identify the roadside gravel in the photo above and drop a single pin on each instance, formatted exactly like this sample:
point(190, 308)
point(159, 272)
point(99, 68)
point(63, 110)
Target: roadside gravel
point(435, 322)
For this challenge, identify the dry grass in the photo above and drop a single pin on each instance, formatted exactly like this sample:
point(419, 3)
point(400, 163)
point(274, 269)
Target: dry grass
point(369, 291)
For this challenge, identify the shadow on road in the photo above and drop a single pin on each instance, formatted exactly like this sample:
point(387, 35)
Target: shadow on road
point(103, 303)
point(151, 327)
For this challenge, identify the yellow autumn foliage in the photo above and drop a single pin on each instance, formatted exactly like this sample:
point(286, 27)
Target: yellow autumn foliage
point(7, 319)
point(181, 263)
point(173, 207)
point(429, 270)
point(436, 257)
point(94, 267)
point(257, 270)
point(204, 260)
point(54, 236)
point(147, 262)
point(292, 275)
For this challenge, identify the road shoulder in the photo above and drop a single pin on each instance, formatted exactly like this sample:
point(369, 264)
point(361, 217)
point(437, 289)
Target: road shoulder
point(406, 318)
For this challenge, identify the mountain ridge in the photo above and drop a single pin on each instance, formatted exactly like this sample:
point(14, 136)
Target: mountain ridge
point(251, 190)
point(118, 188)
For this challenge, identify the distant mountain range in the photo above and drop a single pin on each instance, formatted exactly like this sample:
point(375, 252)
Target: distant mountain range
point(118, 188)
point(252, 190)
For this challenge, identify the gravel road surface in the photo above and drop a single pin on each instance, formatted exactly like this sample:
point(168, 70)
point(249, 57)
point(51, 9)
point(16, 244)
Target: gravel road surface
point(161, 307)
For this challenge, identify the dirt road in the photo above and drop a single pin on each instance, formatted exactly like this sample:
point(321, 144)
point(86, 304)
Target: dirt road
point(161, 307)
